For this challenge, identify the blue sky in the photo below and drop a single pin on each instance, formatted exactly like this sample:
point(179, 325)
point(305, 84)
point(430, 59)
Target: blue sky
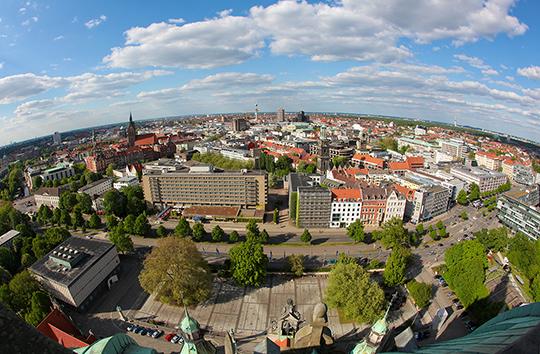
point(71, 64)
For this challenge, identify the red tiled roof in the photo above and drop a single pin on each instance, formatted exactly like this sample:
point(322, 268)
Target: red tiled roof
point(369, 159)
point(407, 192)
point(60, 329)
point(414, 161)
point(356, 171)
point(347, 193)
point(146, 139)
point(398, 165)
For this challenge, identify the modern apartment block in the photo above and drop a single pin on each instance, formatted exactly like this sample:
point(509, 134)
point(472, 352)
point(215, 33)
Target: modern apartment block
point(519, 211)
point(454, 147)
point(487, 180)
point(98, 187)
point(202, 185)
point(489, 160)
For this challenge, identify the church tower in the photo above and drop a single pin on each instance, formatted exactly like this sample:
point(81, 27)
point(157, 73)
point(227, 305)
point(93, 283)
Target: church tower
point(131, 132)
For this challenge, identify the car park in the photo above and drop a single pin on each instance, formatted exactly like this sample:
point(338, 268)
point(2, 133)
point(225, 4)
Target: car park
point(138, 329)
point(157, 333)
point(150, 332)
point(169, 336)
point(143, 331)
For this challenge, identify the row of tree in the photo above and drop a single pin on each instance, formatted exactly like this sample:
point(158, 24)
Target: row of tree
point(218, 160)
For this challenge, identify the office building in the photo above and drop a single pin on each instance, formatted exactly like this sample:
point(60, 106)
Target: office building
point(58, 172)
point(518, 172)
point(202, 185)
point(98, 187)
point(280, 115)
point(313, 207)
point(430, 202)
point(487, 180)
point(518, 210)
point(454, 147)
point(417, 144)
point(57, 138)
point(77, 270)
point(239, 124)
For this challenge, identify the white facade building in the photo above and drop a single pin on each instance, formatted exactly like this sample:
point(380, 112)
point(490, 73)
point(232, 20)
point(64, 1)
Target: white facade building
point(126, 181)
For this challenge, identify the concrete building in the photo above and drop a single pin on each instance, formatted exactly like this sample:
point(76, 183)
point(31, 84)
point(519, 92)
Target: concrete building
point(280, 115)
point(202, 185)
point(518, 172)
point(49, 196)
point(126, 181)
point(430, 202)
point(57, 138)
point(518, 209)
point(416, 144)
point(98, 187)
point(57, 172)
point(395, 206)
point(489, 160)
point(420, 130)
point(164, 165)
point(239, 124)
point(6, 240)
point(454, 147)
point(77, 270)
point(313, 206)
point(487, 180)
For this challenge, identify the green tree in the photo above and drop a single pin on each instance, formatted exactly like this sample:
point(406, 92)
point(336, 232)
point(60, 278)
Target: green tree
point(351, 291)
point(177, 273)
point(68, 200)
point(252, 230)
point(198, 232)
point(306, 236)
point(355, 231)
point(22, 287)
point(129, 224)
point(8, 260)
point(114, 202)
point(296, 264)
point(40, 306)
point(292, 205)
point(420, 292)
point(392, 234)
point(84, 202)
point(65, 218)
point(161, 231)
point(264, 237)
point(474, 193)
point(248, 263)
point(524, 254)
point(462, 198)
point(420, 229)
point(110, 170)
point(183, 229)
point(111, 221)
point(396, 266)
point(234, 237)
point(141, 226)
point(120, 239)
point(37, 182)
point(77, 218)
point(276, 216)
point(218, 234)
point(493, 239)
point(466, 263)
point(464, 215)
point(94, 222)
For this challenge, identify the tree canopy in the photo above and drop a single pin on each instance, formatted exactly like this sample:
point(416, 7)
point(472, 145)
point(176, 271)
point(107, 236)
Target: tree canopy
point(306, 236)
point(420, 292)
point(183, 229)
point(393, 234)
point(248, 263)
point(120, 238)
point(493, 239)
point(355, 231)
point(396, 266)
point(177, 273)
point(352, 292)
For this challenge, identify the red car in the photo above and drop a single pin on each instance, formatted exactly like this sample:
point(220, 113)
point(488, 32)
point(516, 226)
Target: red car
point(169, 336)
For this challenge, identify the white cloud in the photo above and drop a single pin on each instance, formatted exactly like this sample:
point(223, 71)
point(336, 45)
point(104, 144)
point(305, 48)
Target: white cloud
point(177, 21)
point(1, 64)
point(530, 72)
point(368, 30)
point(490, 71)
point(206, 44)
point(95, 22)
point(22, 10)
point(57, 38)
point(18, 87)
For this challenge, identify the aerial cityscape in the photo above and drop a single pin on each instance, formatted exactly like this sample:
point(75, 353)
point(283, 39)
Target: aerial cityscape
point(270, 177)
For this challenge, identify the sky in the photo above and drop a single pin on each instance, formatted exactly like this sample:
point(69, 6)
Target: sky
point(76, 63)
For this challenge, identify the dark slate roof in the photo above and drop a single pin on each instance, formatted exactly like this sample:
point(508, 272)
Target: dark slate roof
point(93, 250)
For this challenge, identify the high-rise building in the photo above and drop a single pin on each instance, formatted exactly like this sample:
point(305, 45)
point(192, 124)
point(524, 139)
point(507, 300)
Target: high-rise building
point(280, 115)
point(487, 180)
point(202, 186)
point(239, 124)
point(131, 132)
point(454, 147)
point(518, 210)
point(57, 138)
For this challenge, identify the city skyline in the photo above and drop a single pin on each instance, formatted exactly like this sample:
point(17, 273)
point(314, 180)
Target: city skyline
point(71, 65)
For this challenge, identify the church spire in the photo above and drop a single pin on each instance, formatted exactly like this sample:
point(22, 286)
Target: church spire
point(130, 118)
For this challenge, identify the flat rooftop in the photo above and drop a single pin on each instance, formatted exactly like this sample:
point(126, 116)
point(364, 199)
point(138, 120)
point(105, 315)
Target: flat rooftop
point(90, 252)
point(8, 236)
point(93, 184)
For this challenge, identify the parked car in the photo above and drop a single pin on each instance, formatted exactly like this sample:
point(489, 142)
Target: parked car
point(150, 332)
point(143, 331)
point(130, 327)
point(169, 336)
point(181, 340)
point(138, 330)
point(175, 339)
point(157, 333)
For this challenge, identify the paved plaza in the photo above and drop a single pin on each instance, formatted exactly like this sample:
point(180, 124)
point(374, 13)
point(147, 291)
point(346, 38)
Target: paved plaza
point(250, 311)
